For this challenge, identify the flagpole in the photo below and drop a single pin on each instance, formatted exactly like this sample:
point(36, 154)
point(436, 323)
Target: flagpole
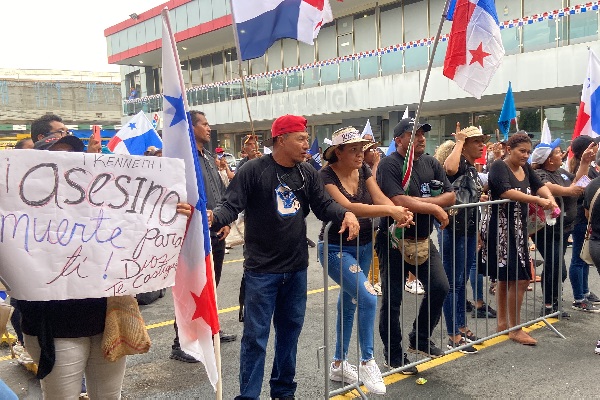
point(435, 43)
point(239, 54)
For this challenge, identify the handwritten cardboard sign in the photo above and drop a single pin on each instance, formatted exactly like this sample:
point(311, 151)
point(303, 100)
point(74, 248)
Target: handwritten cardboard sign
point(76, 225)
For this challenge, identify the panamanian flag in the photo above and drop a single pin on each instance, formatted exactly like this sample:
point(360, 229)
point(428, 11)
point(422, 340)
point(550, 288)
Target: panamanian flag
point(257, 24)
point(194, 290)
point(135, 137)
point(475, 47)
point(588, 116)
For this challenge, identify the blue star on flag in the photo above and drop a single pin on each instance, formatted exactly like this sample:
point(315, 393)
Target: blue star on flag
point(179, 110)
point(132, 125)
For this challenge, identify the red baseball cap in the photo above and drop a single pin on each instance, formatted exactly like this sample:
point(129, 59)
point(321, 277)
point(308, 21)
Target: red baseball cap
point(219, 150)
point(286, 124)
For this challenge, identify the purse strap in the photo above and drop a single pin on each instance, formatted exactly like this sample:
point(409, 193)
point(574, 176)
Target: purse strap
point(587, 231)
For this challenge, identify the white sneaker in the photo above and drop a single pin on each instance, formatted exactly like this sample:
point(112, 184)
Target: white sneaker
point(371, 377)
point(345, 372)
point(597, 351)
point(25, 358)
point(420, 288)
point(414, 287)
point(18, 349)
point(377, 288)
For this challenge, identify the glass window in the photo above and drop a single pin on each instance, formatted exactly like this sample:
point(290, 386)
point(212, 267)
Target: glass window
point(365, 31)
point(508, 10)
point(181, 19)
point(185, 71)
point(440, 53)
point(207, 76)
point(561, 121)
point(131, 40)
point(307, 53)
point(196, 68)
point(530, 120)
point(257, 66)
point(263, 86)
point(151, 33)
point(391, 63)
point(415, 28)
point(583, 27)
point(436, 7)
point(193, 13)
point(347, 69)
point(329, 74)
point(310, 77)
point(277, 83)
point(219, 8)
point(344, 25)
point(274, 56)
point(391, 26)
point(218, 67)
point(232, 65)
point(290, 53)
point(416, 58)
point(206, 13)
point(540, 35)
point(488, 121)
point(293, 80)
point(369, 67)
point(327, 44)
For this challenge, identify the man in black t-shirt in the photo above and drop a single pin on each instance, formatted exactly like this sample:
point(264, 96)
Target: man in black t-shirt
point(277, 191)
point(425, 200)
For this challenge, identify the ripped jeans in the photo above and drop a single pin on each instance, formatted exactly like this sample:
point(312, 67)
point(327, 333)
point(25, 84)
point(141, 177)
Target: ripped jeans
point(352, 269)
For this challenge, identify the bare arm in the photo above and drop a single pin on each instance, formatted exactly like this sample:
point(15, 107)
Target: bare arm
point(558, 190)
point(399, 214)
point(586, 158)
point(417, 206)
point(544, 198)
point(453, 161)
point(446, 199)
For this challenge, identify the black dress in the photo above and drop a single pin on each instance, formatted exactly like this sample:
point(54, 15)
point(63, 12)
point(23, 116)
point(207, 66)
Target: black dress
point(506, 251)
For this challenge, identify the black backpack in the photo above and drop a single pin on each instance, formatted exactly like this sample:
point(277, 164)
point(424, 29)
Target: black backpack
point(467, 190)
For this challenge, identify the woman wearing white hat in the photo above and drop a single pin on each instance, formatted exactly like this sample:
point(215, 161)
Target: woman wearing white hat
point(350, 182)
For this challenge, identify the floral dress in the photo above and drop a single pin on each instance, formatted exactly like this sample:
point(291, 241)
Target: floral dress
point(506, 252)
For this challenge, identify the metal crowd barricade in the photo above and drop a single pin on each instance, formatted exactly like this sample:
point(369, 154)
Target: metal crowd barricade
point(532, 310)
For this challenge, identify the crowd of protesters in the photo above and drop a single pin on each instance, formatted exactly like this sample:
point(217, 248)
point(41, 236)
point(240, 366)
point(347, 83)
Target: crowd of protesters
point(276, 191)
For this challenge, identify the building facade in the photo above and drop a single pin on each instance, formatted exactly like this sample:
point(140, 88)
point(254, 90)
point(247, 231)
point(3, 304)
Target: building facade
point(80, 98)
point(369, 63)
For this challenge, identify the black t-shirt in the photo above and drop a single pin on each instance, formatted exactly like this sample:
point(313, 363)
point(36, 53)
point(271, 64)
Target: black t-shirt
point(362, 196)
point(276, 200)
point(567, 204)
point(581, 219)
point(425, 169)
point(588, 196)
point(240, 163)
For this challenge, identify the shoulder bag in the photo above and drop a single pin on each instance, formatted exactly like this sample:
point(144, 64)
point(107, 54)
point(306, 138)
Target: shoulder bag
point(124, 331)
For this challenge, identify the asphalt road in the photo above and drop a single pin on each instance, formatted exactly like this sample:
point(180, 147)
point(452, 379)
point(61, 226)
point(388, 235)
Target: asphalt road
point(555, 368)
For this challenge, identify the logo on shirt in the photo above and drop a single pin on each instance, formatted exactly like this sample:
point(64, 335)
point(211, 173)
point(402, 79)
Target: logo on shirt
point(565, 177)
point(287, 202)
point(425, 190)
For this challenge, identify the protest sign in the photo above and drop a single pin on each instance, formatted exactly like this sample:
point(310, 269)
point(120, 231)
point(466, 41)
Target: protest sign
point(78, 225)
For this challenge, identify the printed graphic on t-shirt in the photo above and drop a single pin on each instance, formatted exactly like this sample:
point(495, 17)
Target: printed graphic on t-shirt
point(287, 202)
point(425, 190)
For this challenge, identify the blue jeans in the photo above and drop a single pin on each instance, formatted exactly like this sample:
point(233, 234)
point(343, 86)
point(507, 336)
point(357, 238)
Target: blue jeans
point(579, 270)
point(474, 276)
point(350, 271)
point(459, 255)
point(282, 298)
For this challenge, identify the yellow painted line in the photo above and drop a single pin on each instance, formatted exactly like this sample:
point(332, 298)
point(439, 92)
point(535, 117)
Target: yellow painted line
point(232, 261)
point(5, 358)
point(231, 309)
point(390, 379)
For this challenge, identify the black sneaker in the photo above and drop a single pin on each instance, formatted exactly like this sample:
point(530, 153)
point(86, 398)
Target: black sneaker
point(426, 349)
point(227, 337)
point(469, 336)
point(469, 306)
point(585, 305)
point(465, 350)
point(592, 298)
point(406, 371)
point(180, 355)
point(485, 311)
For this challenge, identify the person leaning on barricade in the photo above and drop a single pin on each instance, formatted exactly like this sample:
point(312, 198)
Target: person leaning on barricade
point(460, 241)
point(428, 192)
point(583, 298)
point(64, 336)
point(349, 181)
point(546, 160)
point(591, 205)
point(506, 252)
point(277, 191)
